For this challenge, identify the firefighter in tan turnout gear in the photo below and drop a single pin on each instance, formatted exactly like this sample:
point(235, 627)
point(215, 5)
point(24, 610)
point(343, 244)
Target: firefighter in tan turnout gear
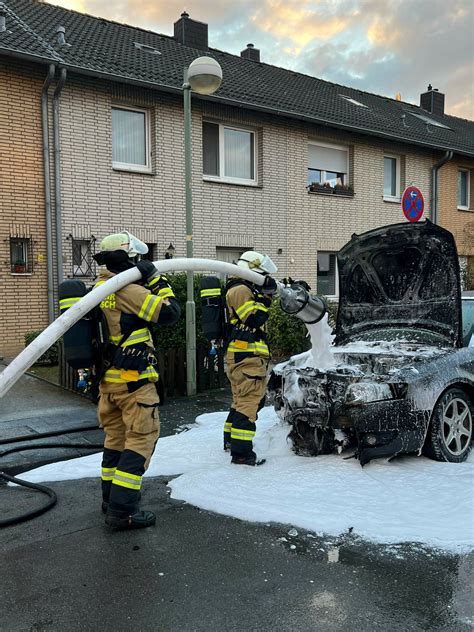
point(128, 401)
point(247, 354)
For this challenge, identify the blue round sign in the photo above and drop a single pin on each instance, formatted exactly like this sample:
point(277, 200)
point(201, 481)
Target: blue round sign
point(413, 204)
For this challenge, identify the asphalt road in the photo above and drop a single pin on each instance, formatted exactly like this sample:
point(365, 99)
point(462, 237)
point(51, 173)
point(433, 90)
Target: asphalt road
point(196, 571)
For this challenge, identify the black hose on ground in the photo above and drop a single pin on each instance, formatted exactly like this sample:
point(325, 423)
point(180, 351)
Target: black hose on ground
point(52, 433)
point(6, 522)
point(52, 498)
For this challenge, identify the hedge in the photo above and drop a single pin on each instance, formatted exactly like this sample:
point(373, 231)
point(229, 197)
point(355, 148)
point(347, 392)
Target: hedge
point(49, 357)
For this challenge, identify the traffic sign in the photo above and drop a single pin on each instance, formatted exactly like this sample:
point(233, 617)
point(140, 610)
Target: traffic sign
point(413, 204)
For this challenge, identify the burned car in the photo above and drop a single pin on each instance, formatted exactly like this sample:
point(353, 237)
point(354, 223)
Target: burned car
point(402, 375)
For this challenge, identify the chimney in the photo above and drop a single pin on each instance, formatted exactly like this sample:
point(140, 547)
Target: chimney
point(251, 53)
point(432, 101)
point(61, 35)
point(190, 32)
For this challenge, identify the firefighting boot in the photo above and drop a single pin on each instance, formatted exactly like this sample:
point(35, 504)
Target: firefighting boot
point(242, 434)
point(228, 429)
point(105, 503)
point(110, 459)
point(122, 510)
point(140, 519)
point(249, 459)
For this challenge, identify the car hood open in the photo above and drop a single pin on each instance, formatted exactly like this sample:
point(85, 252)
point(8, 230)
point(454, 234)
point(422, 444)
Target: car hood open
point(403, 280)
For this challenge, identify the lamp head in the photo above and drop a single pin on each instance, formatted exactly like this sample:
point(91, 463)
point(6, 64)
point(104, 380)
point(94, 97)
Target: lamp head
point(204, 75)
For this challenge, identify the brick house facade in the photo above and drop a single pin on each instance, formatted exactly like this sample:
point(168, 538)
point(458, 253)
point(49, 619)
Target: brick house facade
point(22, 226)
point(457, 217)
point(277, 215)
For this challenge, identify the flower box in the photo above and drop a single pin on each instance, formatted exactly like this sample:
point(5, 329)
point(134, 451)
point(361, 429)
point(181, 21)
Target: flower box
point(320, 188)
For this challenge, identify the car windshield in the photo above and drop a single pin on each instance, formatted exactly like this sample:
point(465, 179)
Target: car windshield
point(468, 322)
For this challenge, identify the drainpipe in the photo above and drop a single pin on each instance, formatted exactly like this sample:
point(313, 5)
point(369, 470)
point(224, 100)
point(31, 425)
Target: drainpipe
point(47, 188)
point(57, 174)
point(434, 185)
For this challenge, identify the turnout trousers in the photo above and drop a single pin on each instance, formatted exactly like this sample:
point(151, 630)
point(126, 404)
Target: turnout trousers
point(248, 380)
point(131, 424)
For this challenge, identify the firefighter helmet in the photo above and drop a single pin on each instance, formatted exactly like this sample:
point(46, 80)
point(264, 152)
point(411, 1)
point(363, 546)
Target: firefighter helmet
point(124, 241)
point(257, 262)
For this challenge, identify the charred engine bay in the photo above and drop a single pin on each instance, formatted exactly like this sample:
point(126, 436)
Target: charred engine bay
point(321, 405)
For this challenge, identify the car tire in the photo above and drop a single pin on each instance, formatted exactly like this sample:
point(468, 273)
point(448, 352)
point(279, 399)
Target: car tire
point(450, 431)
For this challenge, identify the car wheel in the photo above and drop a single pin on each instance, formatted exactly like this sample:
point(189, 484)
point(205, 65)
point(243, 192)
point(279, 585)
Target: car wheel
point(450, 433)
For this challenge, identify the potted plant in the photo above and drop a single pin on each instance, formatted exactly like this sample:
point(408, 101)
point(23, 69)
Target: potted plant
point(343, 189)
point(19, 267)
point(317, 187)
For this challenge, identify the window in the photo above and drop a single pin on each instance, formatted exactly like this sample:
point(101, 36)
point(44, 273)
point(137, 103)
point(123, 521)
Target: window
point(428, 120)
point(463, 189)
point(21, 256)
point(327, 164)
point(131, 139)
point(229, 255)
point(151, 254)
point(391, 178)
point(228, 154)
point(82, 262)
point(327, 274)
point(353, 101)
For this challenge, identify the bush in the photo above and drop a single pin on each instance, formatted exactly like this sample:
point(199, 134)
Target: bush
point(49, 357)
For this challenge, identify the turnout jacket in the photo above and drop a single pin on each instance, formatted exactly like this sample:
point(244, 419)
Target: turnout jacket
point(128, 313)
point(247, 313)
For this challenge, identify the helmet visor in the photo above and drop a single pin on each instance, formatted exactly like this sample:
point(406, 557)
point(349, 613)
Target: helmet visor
point(268, 266)
point(136, 246)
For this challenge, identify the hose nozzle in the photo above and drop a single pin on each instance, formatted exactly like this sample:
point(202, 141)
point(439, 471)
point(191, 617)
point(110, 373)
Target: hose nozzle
point(297, 301)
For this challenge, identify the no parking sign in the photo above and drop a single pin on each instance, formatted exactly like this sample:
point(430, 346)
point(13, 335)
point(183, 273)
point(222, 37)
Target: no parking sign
point(413, 204)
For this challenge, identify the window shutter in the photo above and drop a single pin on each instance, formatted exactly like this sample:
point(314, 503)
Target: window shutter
point(327, 158)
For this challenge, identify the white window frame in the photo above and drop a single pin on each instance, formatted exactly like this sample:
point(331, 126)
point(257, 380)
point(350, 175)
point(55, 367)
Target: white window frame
point(221, 177)
point(393, 198)
point(124, 166)
point(468, 190)
point(336, 274)
point(331, 146)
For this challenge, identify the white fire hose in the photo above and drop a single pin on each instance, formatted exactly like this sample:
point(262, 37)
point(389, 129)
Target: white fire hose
point(295, 300)
point(58, 328)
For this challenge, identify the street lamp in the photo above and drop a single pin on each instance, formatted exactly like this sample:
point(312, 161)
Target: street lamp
point(204, 76)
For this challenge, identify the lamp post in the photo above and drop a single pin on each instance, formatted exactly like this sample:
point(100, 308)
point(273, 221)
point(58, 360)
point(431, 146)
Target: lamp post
point(204, 76)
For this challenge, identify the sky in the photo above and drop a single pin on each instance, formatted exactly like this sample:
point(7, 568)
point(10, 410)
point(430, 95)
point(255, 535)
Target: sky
point(383, 47)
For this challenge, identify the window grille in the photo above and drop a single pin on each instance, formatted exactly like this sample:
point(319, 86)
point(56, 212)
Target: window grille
point(83, 265)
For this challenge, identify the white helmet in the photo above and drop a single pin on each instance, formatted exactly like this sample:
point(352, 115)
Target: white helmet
point(257, 262)
point(124, 241)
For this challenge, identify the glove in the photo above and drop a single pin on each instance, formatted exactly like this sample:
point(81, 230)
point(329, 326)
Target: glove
point(146, 268)
point(269, 286)
point(306, 286)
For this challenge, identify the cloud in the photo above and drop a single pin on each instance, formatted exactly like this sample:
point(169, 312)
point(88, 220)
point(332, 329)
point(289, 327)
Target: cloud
point(368, 44)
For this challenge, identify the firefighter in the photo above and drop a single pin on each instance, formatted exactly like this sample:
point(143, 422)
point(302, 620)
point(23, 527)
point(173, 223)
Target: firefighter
point(247, 354)
point(128, 400)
